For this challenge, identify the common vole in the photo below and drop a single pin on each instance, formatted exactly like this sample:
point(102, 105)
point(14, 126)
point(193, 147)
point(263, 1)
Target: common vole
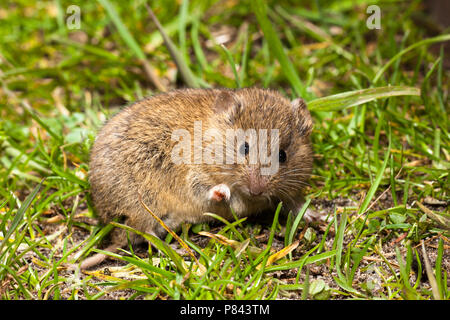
point(153, 148)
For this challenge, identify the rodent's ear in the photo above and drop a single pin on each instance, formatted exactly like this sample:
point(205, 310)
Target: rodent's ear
point(224, 101)
point(302, 116)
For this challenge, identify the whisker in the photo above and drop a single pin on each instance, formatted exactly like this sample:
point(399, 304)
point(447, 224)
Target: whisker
point(297, 174)
point(295, 170)
point(286, 195)
point(294, 175)
point(297, 184)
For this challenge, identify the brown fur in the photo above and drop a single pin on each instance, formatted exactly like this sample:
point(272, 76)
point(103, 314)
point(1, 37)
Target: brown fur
point(132, 155)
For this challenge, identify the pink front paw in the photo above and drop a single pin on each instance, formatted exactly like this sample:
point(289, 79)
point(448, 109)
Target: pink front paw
point(219, 192)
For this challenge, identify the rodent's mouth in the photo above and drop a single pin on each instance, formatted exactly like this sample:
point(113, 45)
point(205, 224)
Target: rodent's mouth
point(252, 196)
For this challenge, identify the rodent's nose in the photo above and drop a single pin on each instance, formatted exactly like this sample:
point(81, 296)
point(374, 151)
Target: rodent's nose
point(256, 190)
point(257, 183)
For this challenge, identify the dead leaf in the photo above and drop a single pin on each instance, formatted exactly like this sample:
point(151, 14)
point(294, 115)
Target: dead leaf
point(280, 254)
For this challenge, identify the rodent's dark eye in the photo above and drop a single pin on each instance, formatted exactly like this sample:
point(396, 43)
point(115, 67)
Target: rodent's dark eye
point(244, 149)
point(282, 156)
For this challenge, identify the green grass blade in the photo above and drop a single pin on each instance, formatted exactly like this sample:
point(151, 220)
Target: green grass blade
point(429, 270)
point(339, 240)
point(298, 218)
point(425, 83)
point(354, 98)
point(176, 55)
point(159, 244)
point(438, 267)
point(197, 46)
point(33, 114)
point(305, 291)
point(92, 240)
point(244, 59)
point(131, 42)
point(313, 31)
point(440, 38)
point(339, 244)
point(229, 225)
point(122, 29)
point(404, 275)
point(20, 213)
point(441, 99)
point(182, 22)
point(260, 9)
point(233, 66)
point(357, 260)
point(144, 265)
point(374, 186)
point(87, 48)
point(20, 283)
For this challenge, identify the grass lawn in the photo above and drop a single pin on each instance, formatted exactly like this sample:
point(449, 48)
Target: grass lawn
point(378, 96)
